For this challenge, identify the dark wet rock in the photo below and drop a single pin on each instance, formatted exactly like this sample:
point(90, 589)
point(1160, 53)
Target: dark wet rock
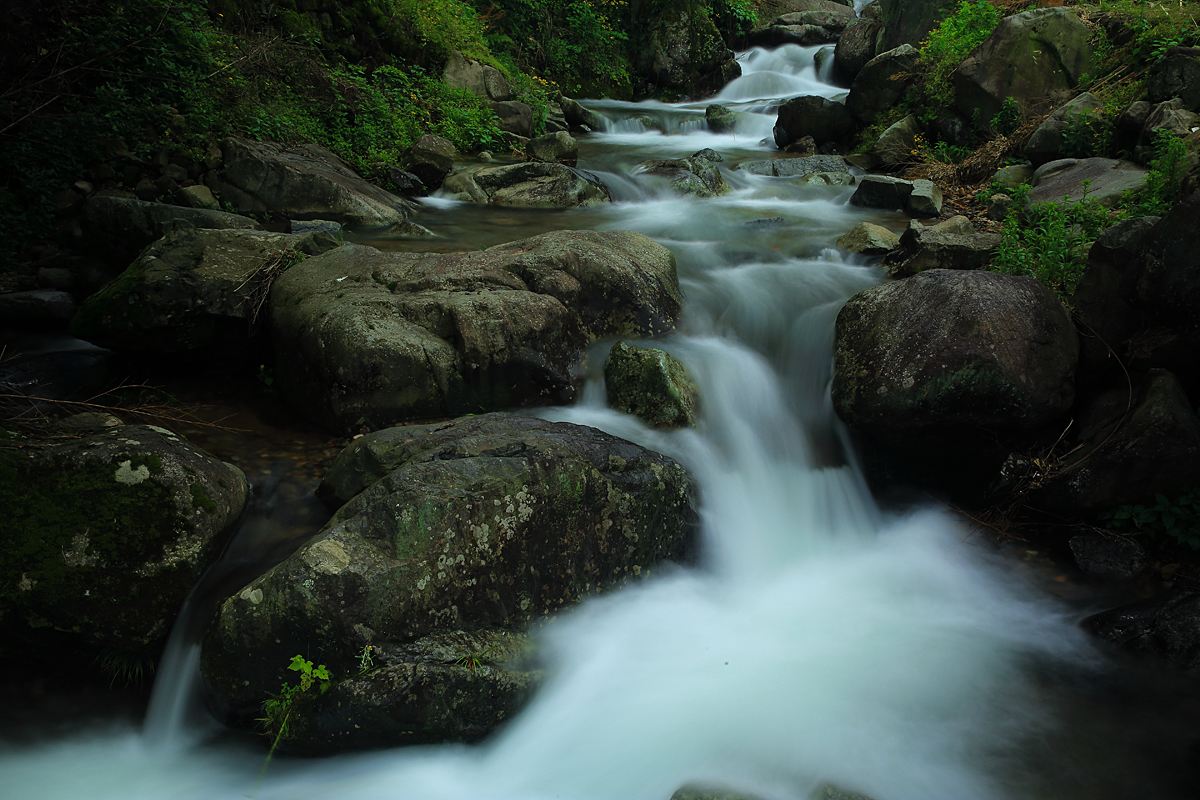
point(1047, 143)
point(720, 119)
point(514, 117)
point(1168, 286)
point(117, 228)
point(651, 384)
point(558, 147)
point(481, 523)
point(897, 144)
point(1168, 628)
point(305, 227)
point(910, 21)
point(1129, 126)
point(950, 244)
point(580, 118)
point(855, 47)
point(106, 535)
point(823, 119)
point(1108, 557)
point(948, 356)
point(882, 81)
point(366, 337)
point(449, 686)
point(74, 371)
point(803, 167)
point(1177, 75)
point(431, 159)
point(1033, 58)
point(1132, 447)
point(528, 185)
point(36, 309)
point(474, 76)
point(697, 175)
point(302, 182)
point(1013, 175)
point(919, 198)
point(193, 291)
point(1104, 180)
point(1170, 116)
point(683, 53)
point(197, 196)
point(813, 22)
point(869, 240)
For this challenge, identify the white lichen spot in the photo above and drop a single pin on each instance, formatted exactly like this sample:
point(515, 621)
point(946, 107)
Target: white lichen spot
point(163, 431)
point(327, 557)
point(77, 555)
point(422, 583)
point(129, 476)
point(252, 595)
point(25, 584)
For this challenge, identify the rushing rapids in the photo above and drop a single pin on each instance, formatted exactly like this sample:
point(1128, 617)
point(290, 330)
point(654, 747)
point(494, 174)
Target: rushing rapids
point(821, 640)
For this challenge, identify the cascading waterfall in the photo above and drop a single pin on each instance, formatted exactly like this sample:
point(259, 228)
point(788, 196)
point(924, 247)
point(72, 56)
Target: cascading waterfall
point(821, 639)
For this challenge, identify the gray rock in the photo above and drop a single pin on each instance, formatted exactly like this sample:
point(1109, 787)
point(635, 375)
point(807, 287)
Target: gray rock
point(869, 240)
point(896, 144)
point(304, 227)
point(855, 47)
point(483, 523)
point(951, 244)
point(1104, 180)
point(651, 384)
point(36, 309)
point(366, 337)
point(822, 119)
point(527, 185)
point(558, 147)
point(198, 196)
point(1013, 175)
point(698, 175)
point(117, 228)
point(302, 182)
point(804, 35)
point(1177, 75)
point(910, 21)
point(1167, 628)
point(925, 199)
point(110, 532)
point(514, 117)
point(1108, 557)
point(431, 159)
point(882, 81)
point(482, 79)
point(796, 167)
point(919, 198)
point(1171, 116)
point(580, 118)
point(1047, 143)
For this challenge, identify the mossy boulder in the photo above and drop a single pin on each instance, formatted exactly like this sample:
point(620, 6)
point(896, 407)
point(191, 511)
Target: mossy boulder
point(558, 147)
point(105, 534)
point(823, 119)
point(193, 291)
point(698, 175)
point(910, 21)
point(882, 81)
point(680, 54)
point(117, 228)
point(868, 239)
point(651, 384)
point(367, 338)
point(480, 524)
point(532, 184)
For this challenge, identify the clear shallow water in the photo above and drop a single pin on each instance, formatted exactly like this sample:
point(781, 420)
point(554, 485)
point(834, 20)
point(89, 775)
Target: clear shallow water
point(821, 638)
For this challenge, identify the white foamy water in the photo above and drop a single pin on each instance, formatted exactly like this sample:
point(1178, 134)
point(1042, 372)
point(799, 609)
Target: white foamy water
point(820, 638)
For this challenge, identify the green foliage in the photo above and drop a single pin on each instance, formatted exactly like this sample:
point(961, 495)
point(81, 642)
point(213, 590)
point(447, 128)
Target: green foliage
point(277, 711)
point(947, 153)
point(1177, 517)
point(366, 659)
point(1164, 181)
point(950, 43)
point(1087, 134)
point(734, 18)
point(1008, 118)
point(1049, 241)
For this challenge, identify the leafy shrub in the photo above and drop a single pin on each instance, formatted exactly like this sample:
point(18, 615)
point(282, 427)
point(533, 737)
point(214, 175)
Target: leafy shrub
point(277, 710)
point(950, 43)
point(1049, 241)
point(1008, 118)
point(1087, 134)
point(734, 18)
point(1164, 181)
point(1178, 518)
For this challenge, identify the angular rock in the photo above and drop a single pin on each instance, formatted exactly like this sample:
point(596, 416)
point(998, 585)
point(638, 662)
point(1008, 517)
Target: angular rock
point(698, 175)
point(1168, 284)
point(910, 21)
point(528, 185)
point(105, 535)
point(896, 145)
point(855, 47)
point(1171, 116)
point(1167, 628)
point(514, 117)
point(925, 199)
point(1047, 143)
point(482, 79)
point(1108, 557)
point(1129, 453)
point(580, 118)
point(882, 81)
point(1013, 175)
point(919, 198)
point(193, 291)
point(117, 228)
point(1177, 75)
point(558, 147)
point(949, 354)
point(366, 337)
point(484, 522)
point(1104, 180)
point(651, 384)
point(951, 244)
point(810, 115)
point(431, 159)
point(1033, 57)
point(198, 196)
point(869, 240)
point(302, 182)
point(796, 167)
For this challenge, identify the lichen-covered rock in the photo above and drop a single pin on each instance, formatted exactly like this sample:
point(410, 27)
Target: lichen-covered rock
point(950, 244)
point(117, 228)
point(953, 351)
point(1104, 180)
point(559, 147)
point(803, 167)
point(527, 185)
point(1032, 59)
point(651, 384)
point(868, 239)
point(477, 77)
point(681, 52)
point(370, 338)
point(698, 175)
point(720, 119)
point(105, 535)
point(485, 522)
point(193, 291)
point(823, 119)
point(302, 182)
point(882, 81)
point(897, 145)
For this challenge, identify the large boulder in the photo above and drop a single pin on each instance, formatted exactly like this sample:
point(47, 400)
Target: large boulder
point(365, 337)
point(193, 291)
point(302, 182)
point(814, 22)
point(580, 118)
point(1132, 448)
point(810, 115)
point(919, 198)
point(651, 384)
point(528, 185)
point(681, 52)
point(882, 81)
point(897, 145)
point(855, 47)
point(484, 523)
point(1177, 75)
point(482, 79)
point(1103, 180)
point(1168, 284)
point(1052, 139)
point(910, 21)
point(698, 175)
point(951, 244)
point(558, 147)
point(431, 159)
point(951, 359)
point(514, 117)
point(803, 168)
point(117, 228)
point(1033, 59)
point(105, 534)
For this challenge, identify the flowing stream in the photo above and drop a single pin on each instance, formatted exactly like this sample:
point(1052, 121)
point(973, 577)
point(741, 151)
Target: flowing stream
point(822, 639)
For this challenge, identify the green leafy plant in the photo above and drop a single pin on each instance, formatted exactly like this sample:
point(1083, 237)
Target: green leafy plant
point(311, 681)
point(948, 45)
point(1177, 517)
point(1164, 180)
point(1087, 134)
point(734, 18)
point(366, 659)
point(1008, 118)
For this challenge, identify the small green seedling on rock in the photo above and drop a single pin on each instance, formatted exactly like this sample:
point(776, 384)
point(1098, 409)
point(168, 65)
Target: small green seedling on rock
point(277, 711)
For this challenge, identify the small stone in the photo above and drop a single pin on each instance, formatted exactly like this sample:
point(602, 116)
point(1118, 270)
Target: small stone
point(651, 384)
point(869, 240)
point(720, 119)
point(198, 196)
point(999, 206)
point(925, 200)
point(1108, 557)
